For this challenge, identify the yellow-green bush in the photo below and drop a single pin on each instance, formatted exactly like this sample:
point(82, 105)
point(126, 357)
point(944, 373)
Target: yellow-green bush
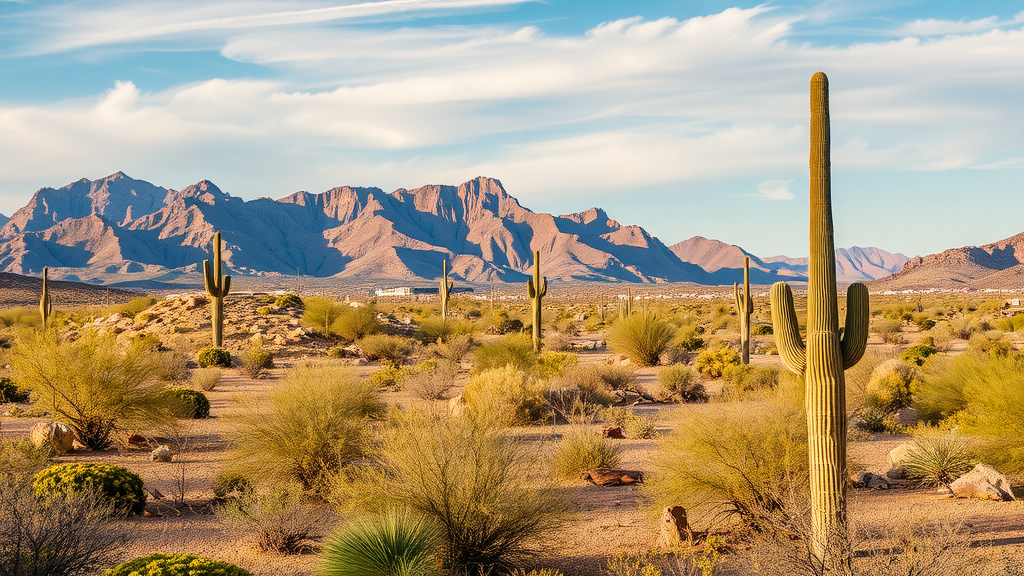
point(122, 489)
point(506, 396)
point(390, 350)
point(891, 386)
point(214, 356)
point(175, 565)
point(515, 350)
point(682, 382)
point(551, 364)
point(712, 363)
point(582, 449)
point(10, 392)
point(186, 402)
point(388, 377)
point(641, 337)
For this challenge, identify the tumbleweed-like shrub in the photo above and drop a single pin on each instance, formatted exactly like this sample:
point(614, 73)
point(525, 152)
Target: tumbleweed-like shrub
point(390, 350)
point(582, 449)
point(682, 382)
point(118, 486)
point(515, 350)
point(505, 396)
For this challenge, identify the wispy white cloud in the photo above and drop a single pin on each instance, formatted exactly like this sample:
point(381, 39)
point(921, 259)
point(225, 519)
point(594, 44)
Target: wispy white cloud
point(933, 27)
point(775, 189)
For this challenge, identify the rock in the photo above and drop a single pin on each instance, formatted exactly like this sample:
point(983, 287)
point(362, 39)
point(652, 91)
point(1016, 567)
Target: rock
point(674, 528)
point(906, 417)
point(137, 440)
point(359, 362)
point(896, 457)
point(161, 454)
point(985, 483)
point(870, 480)
point(55, 435)
point(626, 397)
point(612, 432)
point(612, 477)
point(280, 340)
point(457, 405)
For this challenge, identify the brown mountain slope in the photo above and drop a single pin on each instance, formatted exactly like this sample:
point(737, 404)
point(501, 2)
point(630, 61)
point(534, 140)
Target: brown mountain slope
point(18, 290)
point(995, 265)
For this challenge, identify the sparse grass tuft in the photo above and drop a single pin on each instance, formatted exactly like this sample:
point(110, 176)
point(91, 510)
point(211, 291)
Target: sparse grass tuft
point(642, 337)
point(582, 449)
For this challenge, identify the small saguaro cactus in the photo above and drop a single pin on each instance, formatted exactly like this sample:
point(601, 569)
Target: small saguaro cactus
point(45, 305)
point(217, 286)
point(445, 290)
point(626, 306)
point(828, 350)
point(536, 288)
point(744, 307)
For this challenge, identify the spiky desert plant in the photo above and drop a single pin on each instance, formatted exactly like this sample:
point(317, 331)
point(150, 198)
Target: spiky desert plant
point(45, 305)
point(393, 544)
point(217, 286)
point(445, 290)
point(827, 352)
point(536, 288)
point(744, 307)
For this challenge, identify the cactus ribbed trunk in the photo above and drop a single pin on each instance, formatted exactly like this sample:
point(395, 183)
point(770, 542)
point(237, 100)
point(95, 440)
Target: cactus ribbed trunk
point(445, 290)
point(536, 288)
point(824, 357)
point(744, 308)
point(45, 306)
point(217, 286)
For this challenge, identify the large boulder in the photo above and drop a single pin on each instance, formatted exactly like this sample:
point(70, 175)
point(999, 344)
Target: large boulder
point(55, 435)
point(896, 458)
point(985, 483)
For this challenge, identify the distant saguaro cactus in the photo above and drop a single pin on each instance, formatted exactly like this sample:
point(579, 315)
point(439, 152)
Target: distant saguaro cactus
point(445, 290)
point(45, 305)
point(744, 307)
point(626, 306)
point(828, 352)
point(217, 286)
point(536, 288)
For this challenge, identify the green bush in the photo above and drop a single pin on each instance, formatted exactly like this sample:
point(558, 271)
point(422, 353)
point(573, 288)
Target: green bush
point(175, 565)
point(10, 392)
point(230, 485)
point(256, 360)
point(682, 382)
point(712, 363)
point(122, 489)
point(214, 356)
point(515, 350)
point(551, 364)
point(891, 386)
point(505, 396)
point(939, 459)
point(90, 384)
point(617, 377)
point(388, 377)
point(356, 322)
point(313, 424)
point(747, 378)
point(391, 544)
point(453, 349)
point(586, 383)
point(689, 340)
point(509, 326)
point(131, 308)
point(641, 337)
point(580, 450)
point(918, 354)
point(322, 313)
point(186, 402)
point(264, 310)
point(633, 425)
point(761, 330)
point(288, 301)
point(437, 329)
point(391, 351)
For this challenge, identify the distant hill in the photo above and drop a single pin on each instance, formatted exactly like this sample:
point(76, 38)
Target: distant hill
point(18, 290)
point(996, 265)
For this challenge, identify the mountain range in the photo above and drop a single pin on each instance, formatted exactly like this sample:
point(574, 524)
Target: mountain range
point(122, 228)
point(996, 265)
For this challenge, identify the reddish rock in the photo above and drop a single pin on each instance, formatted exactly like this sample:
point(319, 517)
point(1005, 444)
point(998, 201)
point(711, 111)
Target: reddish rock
point(612, 432)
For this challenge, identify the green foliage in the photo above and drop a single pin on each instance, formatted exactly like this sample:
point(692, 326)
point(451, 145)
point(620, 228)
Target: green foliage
point(918, 354)
point(22, 317)
point(761, 330)
point(938, 459)
point(390, 350)
point(712, 363)
point(132, 307)
point(214, 356)
point(391, 544)
point(551, 364)
point(515, 350)
point(288, 301)
point(586, 384)
point(453, 349)
point(505, 396)
point(22, 458)
point(206, 379)
point(641, 337)
point(625, 564)
point(175, 565)
point(438, 329)
point(122, 489)
point(388, 377)
point(891, 386)
point(356, 322)
point(681, 381)
point(313, 424)
point(256, 360)
point(10, 392)
point(508, 325)
point(89, 383)
point(747, 378)
point(617, 377)
point(230, 485)
point(264, 310)
point(635, 426)
point(322, 313)
point(186, 402)
point(582, 449)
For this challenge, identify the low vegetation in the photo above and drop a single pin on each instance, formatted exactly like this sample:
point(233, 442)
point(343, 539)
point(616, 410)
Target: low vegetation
point(583, 449)
point(642, 337)
point(392, 543)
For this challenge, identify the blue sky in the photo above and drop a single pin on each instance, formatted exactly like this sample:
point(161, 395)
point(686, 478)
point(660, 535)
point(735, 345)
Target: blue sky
point(684, 117)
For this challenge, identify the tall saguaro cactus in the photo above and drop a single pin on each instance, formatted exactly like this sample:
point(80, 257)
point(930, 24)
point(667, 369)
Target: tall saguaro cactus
point(744, 307)
point(45, 305)
point(217, 286)
point(445, 290)
point(536, 288)
point(828, 351)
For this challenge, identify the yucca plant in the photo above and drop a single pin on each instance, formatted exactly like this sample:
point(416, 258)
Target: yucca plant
point(393, 544)
point(939, 459)
point(642, 337)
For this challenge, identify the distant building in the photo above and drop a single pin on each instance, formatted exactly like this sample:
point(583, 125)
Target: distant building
point(413, 291)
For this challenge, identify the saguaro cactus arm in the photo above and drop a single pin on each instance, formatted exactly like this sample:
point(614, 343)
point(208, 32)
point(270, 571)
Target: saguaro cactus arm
point(855, 332)
point(791, 346)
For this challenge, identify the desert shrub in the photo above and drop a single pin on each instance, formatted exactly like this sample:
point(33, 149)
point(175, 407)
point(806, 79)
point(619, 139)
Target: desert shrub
point(389, 544)
point(761, 330)
point(10, 392)
point(918, 354)
point(551, 364)
point(515, 350)
point(89, 383)
point(640, 427)
point(535, 572)
point(747, 378)
point(557, 342)
point(278, 519)
point(506, 396)
point(172, 366)
point(617, 377)
point(175, 565)
point(938, 459)
point(641, 337)
point(712, 363)
point(454, 349)
point(389, 350)
point(433, 383)
point(322, 313)
point(313, 424)
point(120, 488)
point(506, 325)
point(67, 535)
point(732, 460)
point(229, 485)
point(487, 493)
point(962, 327)
point(617, 415)
point(689, 340)
point(214, 356)
point(132, 307)
point(583, 449)
point(20, 317)
point(356, 323)
point(890, 331)
point(993, 343)
point(22, 459)
point(288, 301)
point(682, 382)
point(388, 377)
point(256, 360)
point(891, 386)
point(859, 375)
point(206, 379)
point(435, 328)
point(924, 323)
point(186, 402)
point(586, 380)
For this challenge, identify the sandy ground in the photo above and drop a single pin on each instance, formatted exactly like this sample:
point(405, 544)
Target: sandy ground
point(608, 520)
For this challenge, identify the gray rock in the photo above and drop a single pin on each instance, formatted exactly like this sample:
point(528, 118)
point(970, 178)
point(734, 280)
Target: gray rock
point(870, 480)
point(984, 483)
point(161, 454)
point(906, 417)
point(896, 458)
